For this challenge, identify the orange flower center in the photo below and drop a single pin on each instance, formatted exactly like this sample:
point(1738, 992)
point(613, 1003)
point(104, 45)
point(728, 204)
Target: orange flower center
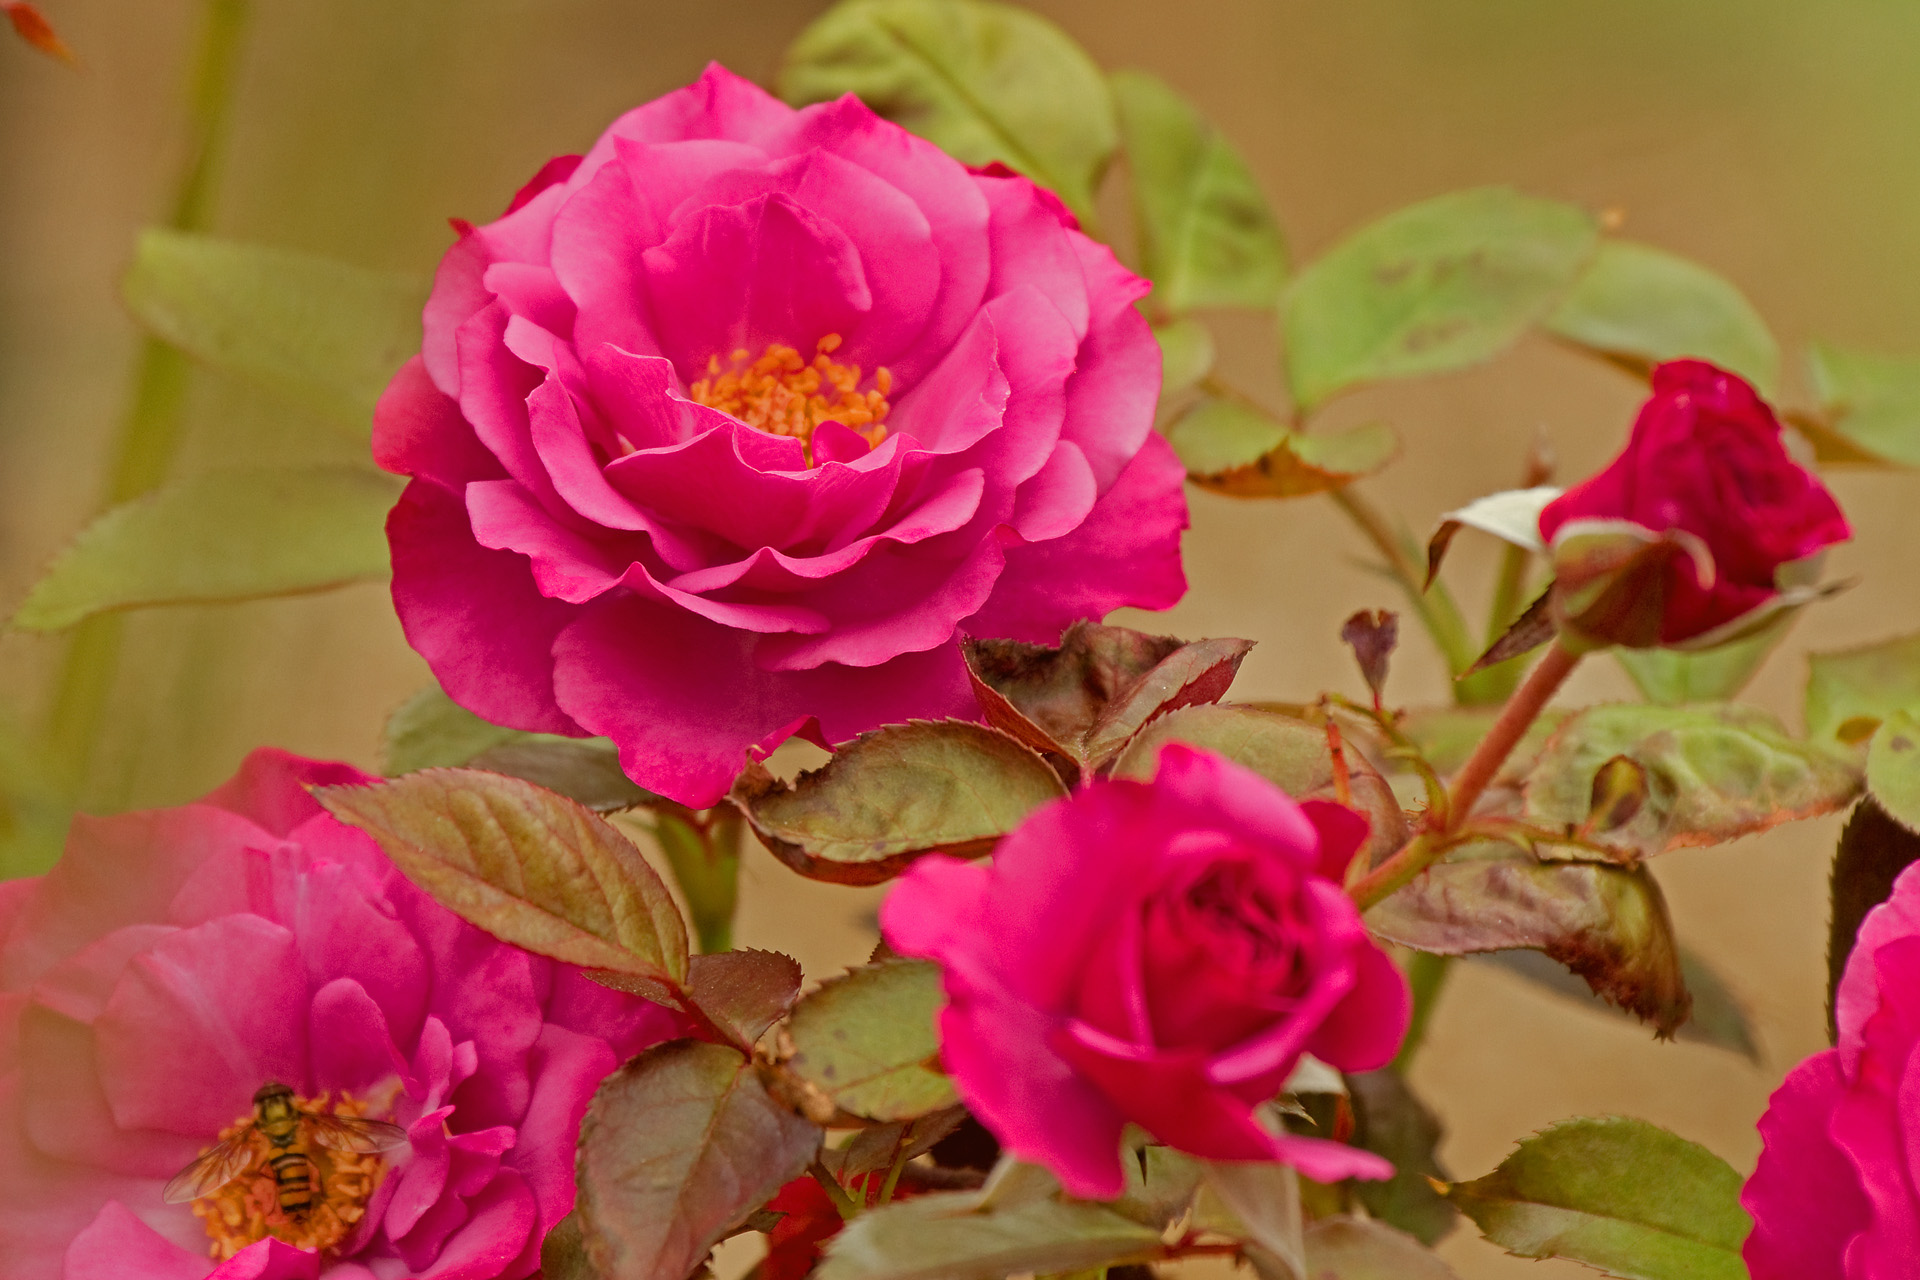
point(784, 395)
point(248, 1210)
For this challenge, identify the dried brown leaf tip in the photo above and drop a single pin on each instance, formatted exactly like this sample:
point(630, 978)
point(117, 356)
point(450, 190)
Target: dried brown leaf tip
point(32, 26)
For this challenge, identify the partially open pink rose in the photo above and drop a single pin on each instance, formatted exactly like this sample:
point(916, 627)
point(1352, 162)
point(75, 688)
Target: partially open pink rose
point(1706, 467)
point(1157, 952)
point(1836, 1195)
point(729, 428)
point(176, 960)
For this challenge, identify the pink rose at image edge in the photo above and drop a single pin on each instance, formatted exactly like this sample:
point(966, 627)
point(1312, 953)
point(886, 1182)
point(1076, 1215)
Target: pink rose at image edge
point(1157, 952)
point(1836, 1194)
point(1706, 456)
point(175, 960)
point(609, 531)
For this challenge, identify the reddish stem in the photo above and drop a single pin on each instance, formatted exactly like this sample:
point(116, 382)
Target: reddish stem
point(1521, 710)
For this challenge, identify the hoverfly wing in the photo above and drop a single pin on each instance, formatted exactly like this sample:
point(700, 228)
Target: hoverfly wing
point(212, 1170)
point(351, 1133)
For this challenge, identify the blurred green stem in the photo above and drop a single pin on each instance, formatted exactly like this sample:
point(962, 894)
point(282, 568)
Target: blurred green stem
point(1499, 681)
point(150, 432)
point(704, 852)
point(1426, 976)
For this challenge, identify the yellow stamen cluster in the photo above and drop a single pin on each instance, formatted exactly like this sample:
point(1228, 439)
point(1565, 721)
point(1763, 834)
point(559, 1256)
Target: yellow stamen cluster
point(247, 1209)
point(784, 395)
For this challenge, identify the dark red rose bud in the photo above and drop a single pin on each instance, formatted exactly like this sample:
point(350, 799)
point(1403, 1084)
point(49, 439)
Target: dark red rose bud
point(1682, 539)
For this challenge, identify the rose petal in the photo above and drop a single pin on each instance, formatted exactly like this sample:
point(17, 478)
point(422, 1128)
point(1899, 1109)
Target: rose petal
point(448, 589)
point(117, 1244)
point(223, 1005)
point(1805, 1196)
point(629, 665)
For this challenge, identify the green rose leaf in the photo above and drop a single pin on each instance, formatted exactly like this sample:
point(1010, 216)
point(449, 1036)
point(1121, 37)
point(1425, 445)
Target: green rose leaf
point(879, 1146)
point(894, 794)
point(1291, 753)
point(1343, 1248)
point(1719, 1017)
point(431, 730)
point(1186, 356)
point(1237, 450)
point(950, 1237)
point(1440, 285)
point(1218, 436)
point(1713, 773)
point(1639, 306)
point(1208, 237)
point(1874, 850)
point(35, 810)
point(239, 534)
point(1893, 768)
point(1087, 697)
point(1446, 736)
point(326, 335)
point(983, 81)
point(743, 992)
point(1851, 690)
point(1608, 924)
point(1392, 1122)
point(865, 1041)
point(679, 1148)
point(1621, 1195)
point(530, 867)
point(1672, 677)
point(1161, 1184)
point(1870, 407)
point(1258, 1203)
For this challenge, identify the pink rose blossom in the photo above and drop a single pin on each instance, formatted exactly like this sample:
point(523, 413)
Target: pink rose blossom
point(1161, 953)
point(176, 960)
point(1836, 1195)
point(728, 429)
point(1705, 460)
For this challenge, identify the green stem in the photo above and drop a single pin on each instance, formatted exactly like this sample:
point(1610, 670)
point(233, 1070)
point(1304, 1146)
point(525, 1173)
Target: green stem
point(1426, 976)
point(149, 436)
point(845, 1205)
point(1435, 607)
point(1496, 683)
point(704, 853)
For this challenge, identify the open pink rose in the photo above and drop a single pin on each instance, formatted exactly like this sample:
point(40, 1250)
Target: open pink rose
point(729, 428)
point(1160, 953)
point(1836, 1195)
point(1705, 466)
point(176, 960)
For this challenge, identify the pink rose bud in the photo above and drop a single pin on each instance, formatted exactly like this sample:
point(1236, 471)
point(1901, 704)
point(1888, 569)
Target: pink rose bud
point(1156, 952)
point(1684, 535)
point(174, 962)
point(732, 426)
point(1834, 1196)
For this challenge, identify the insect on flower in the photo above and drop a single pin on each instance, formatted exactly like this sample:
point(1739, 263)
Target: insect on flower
point(288, 1130)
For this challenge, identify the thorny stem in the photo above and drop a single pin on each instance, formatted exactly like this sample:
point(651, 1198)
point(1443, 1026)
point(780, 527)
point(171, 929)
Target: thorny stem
point(1522, 709)
point(156, 412)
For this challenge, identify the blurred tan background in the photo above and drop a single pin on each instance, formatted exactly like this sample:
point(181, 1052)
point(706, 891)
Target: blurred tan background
point(1777, 141)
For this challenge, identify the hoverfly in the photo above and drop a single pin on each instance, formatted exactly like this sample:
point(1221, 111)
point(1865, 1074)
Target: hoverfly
point(288, 1130)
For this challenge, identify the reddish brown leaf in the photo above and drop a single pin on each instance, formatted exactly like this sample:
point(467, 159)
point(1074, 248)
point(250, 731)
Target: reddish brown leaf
point(1085, 699)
